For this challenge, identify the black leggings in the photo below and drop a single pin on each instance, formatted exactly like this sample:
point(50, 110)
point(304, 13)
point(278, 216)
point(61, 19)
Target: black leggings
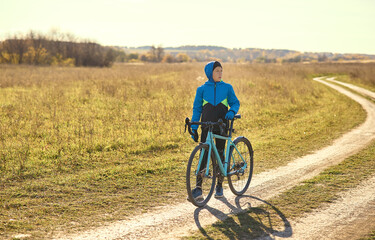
point(220, 145)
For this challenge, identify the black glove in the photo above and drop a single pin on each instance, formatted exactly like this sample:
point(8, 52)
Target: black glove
point(195, 136)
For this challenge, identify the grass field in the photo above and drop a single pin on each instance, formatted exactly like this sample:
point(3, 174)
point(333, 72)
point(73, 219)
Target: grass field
point(80, 146)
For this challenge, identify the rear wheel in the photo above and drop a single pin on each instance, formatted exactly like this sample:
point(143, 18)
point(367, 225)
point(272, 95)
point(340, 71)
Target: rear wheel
point(240, 181)
point(197, 182)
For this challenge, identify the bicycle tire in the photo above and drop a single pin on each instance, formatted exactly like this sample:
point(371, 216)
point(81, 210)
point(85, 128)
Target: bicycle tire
point(208, 183)
point(239, 183)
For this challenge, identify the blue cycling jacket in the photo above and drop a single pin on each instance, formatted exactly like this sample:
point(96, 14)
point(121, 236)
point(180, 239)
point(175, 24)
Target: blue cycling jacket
point(212, 99)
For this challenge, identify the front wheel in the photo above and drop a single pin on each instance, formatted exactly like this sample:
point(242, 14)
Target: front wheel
point(199, 184)
point(240, 180)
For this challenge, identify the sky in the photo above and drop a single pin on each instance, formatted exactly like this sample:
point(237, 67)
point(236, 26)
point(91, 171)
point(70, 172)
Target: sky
point(338, 26)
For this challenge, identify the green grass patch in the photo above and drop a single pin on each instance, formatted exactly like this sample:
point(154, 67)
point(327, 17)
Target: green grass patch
point(370, 236)
point(274, 216)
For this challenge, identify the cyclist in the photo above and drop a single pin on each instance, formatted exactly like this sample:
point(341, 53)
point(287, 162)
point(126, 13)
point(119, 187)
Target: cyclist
point(211, 104)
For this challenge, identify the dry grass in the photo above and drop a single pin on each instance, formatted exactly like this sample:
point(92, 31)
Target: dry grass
point(93, 144)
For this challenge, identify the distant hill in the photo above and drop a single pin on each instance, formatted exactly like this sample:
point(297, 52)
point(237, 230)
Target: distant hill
point(187, 48)
point(196, 48)
point(206, 53)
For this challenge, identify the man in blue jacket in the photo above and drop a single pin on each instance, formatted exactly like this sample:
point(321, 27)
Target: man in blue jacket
point(211, 104)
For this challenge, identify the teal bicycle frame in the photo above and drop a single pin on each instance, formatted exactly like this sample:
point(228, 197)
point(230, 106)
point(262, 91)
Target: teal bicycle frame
point(212, 146)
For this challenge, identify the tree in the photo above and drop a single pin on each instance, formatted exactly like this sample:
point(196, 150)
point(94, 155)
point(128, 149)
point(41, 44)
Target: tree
point(322, 58)
point(143, 57)
point(168, 59)
point(133, 57)
point(15, 47)
point(35, 48)
point(36, 56)
point(182, 57)
point(156, 54)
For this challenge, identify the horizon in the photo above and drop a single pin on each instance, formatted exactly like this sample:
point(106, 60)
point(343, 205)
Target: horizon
point(303, 26)
point(281, 49)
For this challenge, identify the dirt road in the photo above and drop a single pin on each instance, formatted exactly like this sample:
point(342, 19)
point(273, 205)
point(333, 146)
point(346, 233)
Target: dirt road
point(177, 220)
point(348, 218)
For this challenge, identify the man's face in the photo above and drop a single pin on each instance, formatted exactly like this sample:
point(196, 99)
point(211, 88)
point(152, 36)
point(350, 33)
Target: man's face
point(217, 74)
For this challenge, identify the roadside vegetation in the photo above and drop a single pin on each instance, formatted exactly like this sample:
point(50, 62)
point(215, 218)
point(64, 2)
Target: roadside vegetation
point(83, 146)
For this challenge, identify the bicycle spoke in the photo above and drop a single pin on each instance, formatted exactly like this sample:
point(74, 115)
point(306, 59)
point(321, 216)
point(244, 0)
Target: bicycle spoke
point(241, 163)
point(200, 184)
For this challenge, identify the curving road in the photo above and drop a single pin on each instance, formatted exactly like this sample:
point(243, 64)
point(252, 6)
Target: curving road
point(171, 222)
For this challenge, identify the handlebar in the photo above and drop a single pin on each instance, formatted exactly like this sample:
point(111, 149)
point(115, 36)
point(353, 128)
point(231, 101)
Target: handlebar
point(188, 124)
point(219, 123)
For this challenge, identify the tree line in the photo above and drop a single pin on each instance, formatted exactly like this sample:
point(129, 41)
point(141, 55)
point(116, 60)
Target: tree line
point(249, 55)
point(154, 54)
point(54, 49)
point(64, 49)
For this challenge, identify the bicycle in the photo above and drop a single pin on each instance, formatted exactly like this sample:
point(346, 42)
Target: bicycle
point(202, 170)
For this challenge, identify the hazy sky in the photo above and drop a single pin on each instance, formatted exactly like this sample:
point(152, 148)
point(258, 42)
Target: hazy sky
point(340, 26)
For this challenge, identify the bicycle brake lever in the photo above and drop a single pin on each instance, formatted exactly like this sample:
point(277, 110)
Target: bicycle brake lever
point(187, 120)
point(221, 127)
point(221, 131)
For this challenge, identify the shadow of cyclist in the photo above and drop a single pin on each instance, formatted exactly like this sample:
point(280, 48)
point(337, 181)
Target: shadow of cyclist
point(252, 222)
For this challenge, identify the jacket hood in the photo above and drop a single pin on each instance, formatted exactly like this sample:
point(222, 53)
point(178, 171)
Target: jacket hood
point(208, 70)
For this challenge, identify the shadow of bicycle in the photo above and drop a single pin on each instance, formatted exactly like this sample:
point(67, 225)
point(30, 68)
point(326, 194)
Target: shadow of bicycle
point(265, 221)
